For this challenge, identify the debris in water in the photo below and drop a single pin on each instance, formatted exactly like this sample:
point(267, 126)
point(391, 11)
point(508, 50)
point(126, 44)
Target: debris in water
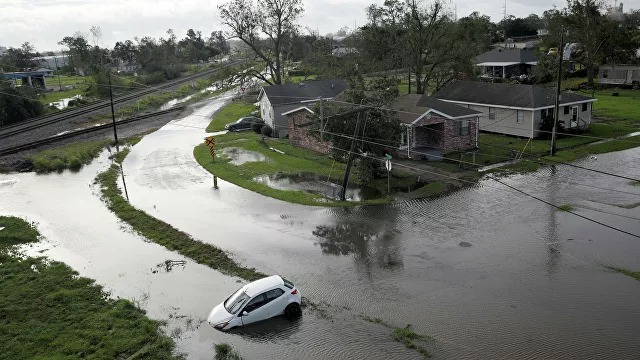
point(168, 265)
point(464, 244)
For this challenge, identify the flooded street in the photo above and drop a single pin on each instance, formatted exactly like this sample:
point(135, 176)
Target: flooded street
point(486, 272)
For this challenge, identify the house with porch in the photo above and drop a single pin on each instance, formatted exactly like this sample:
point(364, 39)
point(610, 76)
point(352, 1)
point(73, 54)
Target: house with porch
point(507, 63)
point(517, 109)
point(433, 127)
point(275, 100)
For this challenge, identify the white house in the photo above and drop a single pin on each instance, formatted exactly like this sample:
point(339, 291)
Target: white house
point(276, 100)
point(516, 109)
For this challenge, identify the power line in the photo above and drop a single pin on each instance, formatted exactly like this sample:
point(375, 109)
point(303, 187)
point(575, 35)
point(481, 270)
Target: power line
point(569, 211)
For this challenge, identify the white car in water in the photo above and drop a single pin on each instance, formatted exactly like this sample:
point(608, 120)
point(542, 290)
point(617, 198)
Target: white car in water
point(262, 299)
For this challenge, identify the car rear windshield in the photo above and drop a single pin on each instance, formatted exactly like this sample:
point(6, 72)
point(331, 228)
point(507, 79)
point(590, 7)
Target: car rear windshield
point(288, 283)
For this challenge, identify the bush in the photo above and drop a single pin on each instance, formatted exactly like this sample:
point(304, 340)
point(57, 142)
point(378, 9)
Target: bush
point(257, 127)
point(363, 171)
point(266, 130)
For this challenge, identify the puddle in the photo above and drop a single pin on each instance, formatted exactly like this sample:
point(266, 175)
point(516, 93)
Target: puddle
point(63, 103)
point(240, 156)
point(314, 184)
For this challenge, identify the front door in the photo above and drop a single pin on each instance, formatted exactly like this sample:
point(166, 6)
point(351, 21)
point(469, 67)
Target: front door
point(574, 116)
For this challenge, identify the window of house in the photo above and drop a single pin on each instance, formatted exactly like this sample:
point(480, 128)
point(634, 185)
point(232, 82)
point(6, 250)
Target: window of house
point(492, 114)
point(543, 113)
point(605, 74)
point(585, 107)
point(464, 127)
point(520, 117)
point(566, 110)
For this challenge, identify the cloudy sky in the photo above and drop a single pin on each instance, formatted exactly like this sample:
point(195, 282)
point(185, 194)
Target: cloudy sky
point(45, 22)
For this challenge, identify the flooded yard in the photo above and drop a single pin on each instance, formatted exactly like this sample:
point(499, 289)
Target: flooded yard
point(485, 271)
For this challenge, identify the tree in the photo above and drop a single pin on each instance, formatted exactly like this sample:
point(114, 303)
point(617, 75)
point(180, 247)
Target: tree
point(276, 19)
point(79, 50)
point(589, 28)
point(21, 58)
point(219, 42)
point(380, 128)
point(18, 104)
point(125, 51)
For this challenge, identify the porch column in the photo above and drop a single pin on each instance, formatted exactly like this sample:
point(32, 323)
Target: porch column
point(408, 141)
point(504, 72)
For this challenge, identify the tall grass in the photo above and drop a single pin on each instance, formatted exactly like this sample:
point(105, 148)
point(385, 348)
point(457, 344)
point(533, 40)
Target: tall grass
point(71, 156)
point(48, 311)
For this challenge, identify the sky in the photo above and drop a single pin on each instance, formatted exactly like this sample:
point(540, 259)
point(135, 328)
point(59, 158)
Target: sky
point(45, 22)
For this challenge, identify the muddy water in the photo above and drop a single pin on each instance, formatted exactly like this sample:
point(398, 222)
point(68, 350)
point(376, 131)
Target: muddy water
point(486, 272)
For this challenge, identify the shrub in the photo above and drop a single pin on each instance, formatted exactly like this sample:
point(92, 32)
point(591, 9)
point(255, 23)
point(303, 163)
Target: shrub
point(266, 130)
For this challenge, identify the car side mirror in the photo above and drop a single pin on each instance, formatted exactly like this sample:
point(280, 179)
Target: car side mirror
point(244, 313)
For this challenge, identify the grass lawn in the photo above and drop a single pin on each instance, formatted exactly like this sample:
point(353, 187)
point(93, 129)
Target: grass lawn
point(295, 160)
point(72, 156)
point(163, 233)
point(68, 80)
point(53, 96)
point(48, 311)
point(231, 113)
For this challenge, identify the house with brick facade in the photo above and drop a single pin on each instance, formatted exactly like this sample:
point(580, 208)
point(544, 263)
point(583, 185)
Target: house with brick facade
point(275, 100)
point(517, 109)
point(298, 122)
point(433, 127)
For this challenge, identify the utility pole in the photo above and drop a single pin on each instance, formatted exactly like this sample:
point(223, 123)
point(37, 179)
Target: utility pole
point(347, 172)
point(58, 70)
point(321, 120)
point(113, 114)
point(557, 105)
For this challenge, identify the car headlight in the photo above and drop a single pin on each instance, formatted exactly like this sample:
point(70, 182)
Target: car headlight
point(221, 325)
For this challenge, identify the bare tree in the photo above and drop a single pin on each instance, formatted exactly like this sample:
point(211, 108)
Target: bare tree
point(275, 19)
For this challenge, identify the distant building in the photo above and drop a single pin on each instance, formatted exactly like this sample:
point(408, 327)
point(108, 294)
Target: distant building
point(55, 62)
point(619, 74)
point(3, 50)
point(507, 63)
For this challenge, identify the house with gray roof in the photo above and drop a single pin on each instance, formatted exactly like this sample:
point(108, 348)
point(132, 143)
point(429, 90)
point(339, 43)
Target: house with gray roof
point(507, 63)
point(516, 109)
point(276, 100)
point(434, 126)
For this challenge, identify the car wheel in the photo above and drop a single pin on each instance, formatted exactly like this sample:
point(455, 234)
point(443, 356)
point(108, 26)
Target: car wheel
point(293, 311)
point(232, 129)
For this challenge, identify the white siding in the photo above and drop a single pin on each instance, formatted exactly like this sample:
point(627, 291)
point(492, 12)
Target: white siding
point(266, 111)
point(504, 121)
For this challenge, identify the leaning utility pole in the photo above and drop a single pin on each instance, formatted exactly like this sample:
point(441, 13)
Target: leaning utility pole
point(347, 172)
point(113, 114)
point(557, 105)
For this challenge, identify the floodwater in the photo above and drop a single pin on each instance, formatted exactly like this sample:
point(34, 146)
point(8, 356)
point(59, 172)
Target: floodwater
point(486, 272)
point(239, 156)
point(63, 103)
point(313, 183)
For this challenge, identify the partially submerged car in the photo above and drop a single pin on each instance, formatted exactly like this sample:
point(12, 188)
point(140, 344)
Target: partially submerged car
point(244, 123)
point(259, 300)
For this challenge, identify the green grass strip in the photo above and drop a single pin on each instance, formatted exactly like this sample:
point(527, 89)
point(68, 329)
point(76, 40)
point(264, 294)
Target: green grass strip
point(48, 311)
point(166, 235)
point(230, 113)
point(633, 274)
point(72, 156)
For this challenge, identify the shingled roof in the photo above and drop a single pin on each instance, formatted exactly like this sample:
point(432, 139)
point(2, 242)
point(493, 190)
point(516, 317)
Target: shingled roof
point(412, 106)
point(304, 91)
point(503, 94)
point(507, 57)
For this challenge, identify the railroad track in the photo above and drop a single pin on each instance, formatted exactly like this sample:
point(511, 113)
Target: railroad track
point(24, 126)
point(35, 144)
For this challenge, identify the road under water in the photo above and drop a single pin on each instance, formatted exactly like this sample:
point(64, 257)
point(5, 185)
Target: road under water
point(486, 272)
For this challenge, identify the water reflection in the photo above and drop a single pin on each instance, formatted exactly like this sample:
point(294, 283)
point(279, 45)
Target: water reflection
point(277, 328)
point(358, 233)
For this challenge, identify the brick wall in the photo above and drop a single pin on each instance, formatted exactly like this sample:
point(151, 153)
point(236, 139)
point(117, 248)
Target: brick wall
point(454, 142)
point(299, 134)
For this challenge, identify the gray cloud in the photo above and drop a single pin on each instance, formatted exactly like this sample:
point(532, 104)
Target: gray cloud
point(45, 22)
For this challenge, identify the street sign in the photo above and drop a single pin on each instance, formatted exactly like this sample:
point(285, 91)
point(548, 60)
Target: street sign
point(211, 144)
point(387, 164)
